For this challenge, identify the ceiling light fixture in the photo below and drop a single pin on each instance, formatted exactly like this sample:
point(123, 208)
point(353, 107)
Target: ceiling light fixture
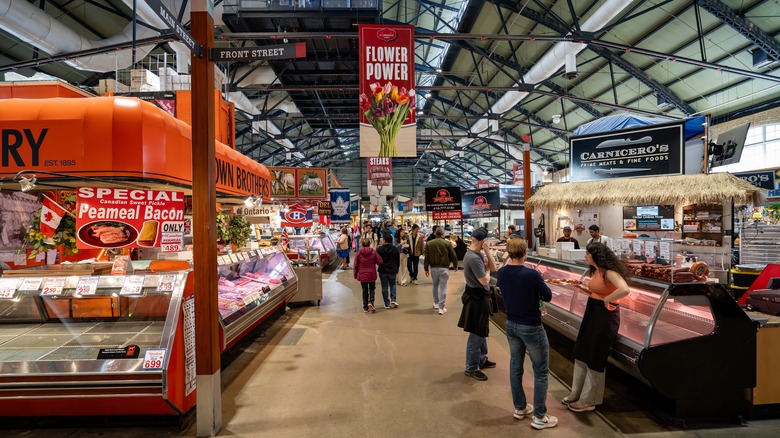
point(556, 118)
point(428, 95)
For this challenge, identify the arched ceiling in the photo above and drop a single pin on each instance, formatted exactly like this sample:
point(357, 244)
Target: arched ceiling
point(474, 58)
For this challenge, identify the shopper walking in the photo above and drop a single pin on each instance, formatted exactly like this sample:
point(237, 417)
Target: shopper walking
point(342, 245)
point(475, 316)
point(416, 248)
point(524, 290)
point(365, 265)
point(438, 256)
point(388, 271)
point(600, 324)
point(403, 247)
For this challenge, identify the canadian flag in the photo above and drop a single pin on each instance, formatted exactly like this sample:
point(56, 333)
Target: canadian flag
point(51, 215)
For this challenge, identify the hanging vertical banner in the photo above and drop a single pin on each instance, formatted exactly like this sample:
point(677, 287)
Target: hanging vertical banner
point(388, 125)
point(354, 203)
point(517, 174)
point(339, 206)
point(380, 176)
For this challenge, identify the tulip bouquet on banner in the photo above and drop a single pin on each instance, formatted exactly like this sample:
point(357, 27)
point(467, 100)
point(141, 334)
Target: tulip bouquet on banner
point(386, 111)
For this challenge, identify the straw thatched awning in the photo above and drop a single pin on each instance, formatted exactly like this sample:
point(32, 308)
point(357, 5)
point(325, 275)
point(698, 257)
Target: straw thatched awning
point(715, 188)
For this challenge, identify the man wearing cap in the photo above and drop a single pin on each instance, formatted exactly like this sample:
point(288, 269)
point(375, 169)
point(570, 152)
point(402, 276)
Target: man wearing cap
point(567, 237)
point(596, 236)
point(438, 256)
point(475, 316)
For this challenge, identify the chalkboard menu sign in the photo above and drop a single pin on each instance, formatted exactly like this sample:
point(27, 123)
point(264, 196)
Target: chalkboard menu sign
point(649, 218)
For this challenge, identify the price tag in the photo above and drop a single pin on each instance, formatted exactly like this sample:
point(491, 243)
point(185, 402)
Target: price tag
point(31, 283)
point(171, 241)
point(166, 283)
point(134, 285)
point(625, 245)
point(223, 260)
point(8, 287)
point(250, 298)
point(153, 359)
point(53, 286)
point(637, 246)
point(649, 250)
point(664, 250)
point(86, 286)
point(233, 258)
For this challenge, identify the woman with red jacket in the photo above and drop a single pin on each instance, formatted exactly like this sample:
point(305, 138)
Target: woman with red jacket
point(364, 269)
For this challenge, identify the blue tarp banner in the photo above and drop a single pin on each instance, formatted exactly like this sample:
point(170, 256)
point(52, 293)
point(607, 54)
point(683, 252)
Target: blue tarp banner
point(693, 125)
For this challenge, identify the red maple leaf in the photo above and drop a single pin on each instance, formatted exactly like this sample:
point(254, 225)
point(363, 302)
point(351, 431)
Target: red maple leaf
point(48, 217)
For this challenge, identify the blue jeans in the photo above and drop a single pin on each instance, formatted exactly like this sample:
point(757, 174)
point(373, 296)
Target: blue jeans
point(476, 352)
point(533, 339)
point(440, 276)
point(387, 279)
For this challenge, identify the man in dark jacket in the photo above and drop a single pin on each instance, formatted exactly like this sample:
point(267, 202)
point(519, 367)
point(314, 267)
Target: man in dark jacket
point(438, 256)
point(475, 316)
point(391, 260)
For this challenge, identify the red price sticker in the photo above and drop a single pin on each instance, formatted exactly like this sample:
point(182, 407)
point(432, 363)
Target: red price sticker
point(87, 286)
point(8, 287)
point(53, 286)
point(153, 359)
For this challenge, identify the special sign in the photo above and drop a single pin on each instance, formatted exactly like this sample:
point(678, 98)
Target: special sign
point(126, 218)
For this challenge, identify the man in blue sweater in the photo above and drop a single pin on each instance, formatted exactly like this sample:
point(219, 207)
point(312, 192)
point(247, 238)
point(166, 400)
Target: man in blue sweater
point(524, 292)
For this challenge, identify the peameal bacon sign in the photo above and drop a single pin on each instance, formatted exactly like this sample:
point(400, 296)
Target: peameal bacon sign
point(126, 218)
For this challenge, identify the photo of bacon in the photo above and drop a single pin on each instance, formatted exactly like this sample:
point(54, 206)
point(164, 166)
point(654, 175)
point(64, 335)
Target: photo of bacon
point(109, 234)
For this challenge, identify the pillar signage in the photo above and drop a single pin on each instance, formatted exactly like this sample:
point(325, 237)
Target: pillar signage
point(170, 19)
point(281, 51)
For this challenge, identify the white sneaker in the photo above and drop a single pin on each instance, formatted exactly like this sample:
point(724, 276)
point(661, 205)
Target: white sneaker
point(435, 307)
point(393, 305)
point(442, 311)
point(520, 415)
point(545, 422)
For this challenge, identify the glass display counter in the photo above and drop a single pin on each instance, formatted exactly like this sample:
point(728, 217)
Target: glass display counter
point(122, 345)
point(301, 246)
point(689, 341)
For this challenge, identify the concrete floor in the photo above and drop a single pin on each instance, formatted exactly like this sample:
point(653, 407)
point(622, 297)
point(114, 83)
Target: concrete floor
point(334, 371)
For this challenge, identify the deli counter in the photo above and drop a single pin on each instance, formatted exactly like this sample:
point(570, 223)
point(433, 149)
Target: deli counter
point(76, 343)
point(689, 341)
point(307, 245)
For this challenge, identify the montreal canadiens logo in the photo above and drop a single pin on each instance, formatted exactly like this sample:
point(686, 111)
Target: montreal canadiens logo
point(480, 203)
point(295, 216)
point(386, 34)
point(442, 196)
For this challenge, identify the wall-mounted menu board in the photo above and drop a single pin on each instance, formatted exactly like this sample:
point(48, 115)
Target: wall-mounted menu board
point(649, 218)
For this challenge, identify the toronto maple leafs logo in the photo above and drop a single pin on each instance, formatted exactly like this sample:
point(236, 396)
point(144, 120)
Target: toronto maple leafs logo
point(340, 207)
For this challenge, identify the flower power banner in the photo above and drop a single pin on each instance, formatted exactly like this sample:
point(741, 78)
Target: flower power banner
point(388, 125)
point(339, 206)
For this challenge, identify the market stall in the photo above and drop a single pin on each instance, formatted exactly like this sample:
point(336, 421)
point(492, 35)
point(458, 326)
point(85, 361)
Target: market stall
point(679, 327)
point(122, 343)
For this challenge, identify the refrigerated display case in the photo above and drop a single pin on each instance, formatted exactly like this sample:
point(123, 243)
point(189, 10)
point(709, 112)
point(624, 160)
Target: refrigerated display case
point(689, 341)
point(97, 345)
point(301, 246)
point(250, 287)
point(123, 345)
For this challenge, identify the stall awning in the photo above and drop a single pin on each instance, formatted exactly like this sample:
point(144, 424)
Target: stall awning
point(714, 188)
point(114, 139)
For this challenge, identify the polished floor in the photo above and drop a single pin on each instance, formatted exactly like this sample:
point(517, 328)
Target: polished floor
point(334, 371)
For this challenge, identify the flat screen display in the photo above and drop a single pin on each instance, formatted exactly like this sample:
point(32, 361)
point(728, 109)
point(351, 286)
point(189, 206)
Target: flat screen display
point(648, 218)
